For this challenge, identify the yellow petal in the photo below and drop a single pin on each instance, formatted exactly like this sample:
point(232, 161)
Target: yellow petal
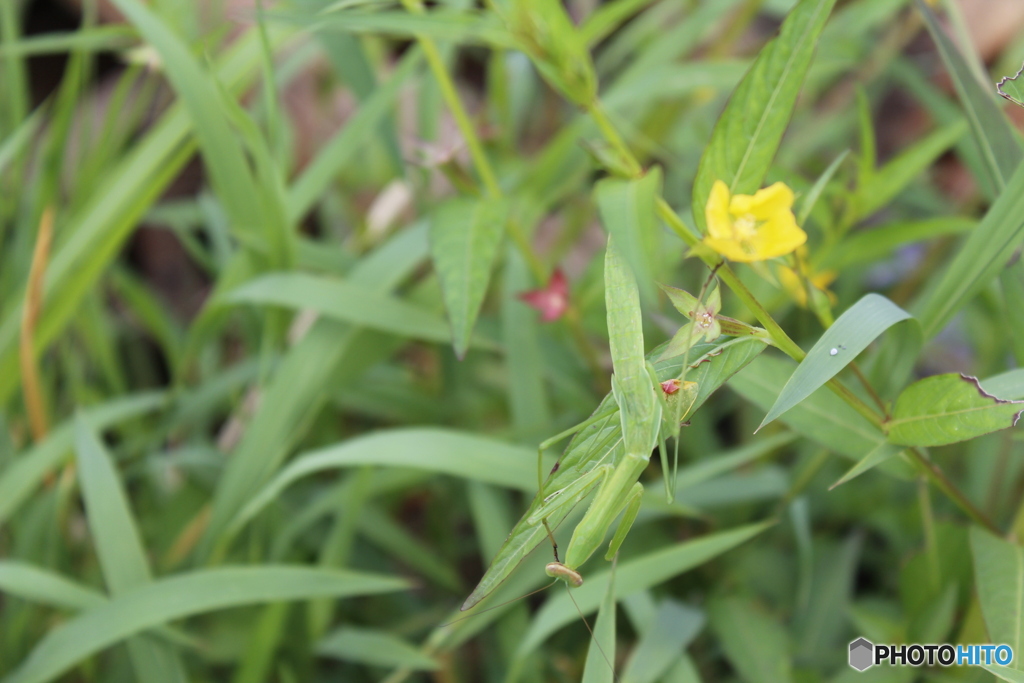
point(717, 211)
point(763, 204)
point(791, 282)
point(778, 236)
point(732, 250)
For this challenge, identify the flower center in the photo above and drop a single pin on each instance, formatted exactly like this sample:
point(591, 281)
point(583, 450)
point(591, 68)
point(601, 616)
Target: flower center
point(745, 226)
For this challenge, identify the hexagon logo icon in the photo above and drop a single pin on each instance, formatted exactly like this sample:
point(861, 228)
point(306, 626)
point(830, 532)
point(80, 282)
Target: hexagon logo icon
point(861, 654)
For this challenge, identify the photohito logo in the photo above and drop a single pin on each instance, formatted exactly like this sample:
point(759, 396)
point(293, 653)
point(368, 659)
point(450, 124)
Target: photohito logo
point(864, 654)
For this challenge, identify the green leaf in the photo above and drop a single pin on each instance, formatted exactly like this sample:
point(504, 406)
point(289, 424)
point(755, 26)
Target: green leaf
point(893, 178)
point(755, 644)
point(600, 667)
point(949, 408)
point(824, 418)
point(119, 548)
point(223, 156)
point(346, 301)
point(464, 238)
point(999, 580)
point(374, 648)
point(880, 242)
point(336, 153)
point(471, 28)
point(674, 626)
point(999, 147)
point(627, 210)
point(631, 576)
point(181, 596)
point(100, 226)
point(1011, 280)
point(35, 584)
point(118, 544)
point(22, 477)
point(458, 454)
point(981, 257)
point(303, 379)
point(849, 335)
point(750, 129)
point(876, 457)
point(1012, 88)
point(527, 395)
point(1004, 673)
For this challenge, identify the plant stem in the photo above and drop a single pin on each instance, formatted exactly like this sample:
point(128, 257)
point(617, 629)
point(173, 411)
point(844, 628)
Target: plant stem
point(490, 183)
point(938, 477)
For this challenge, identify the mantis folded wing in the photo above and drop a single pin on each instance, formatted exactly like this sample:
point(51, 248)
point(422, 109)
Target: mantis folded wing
point(612, 448)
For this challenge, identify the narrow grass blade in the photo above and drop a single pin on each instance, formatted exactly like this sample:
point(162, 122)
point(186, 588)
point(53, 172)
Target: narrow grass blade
point(849, 335)
point(373, 648)
point(627, 210)
point(675, 625)
point(437, 450)
point(184, 595)
point(888, 181)
point(999, 581)
point(755, 644)
point(36, 584)
point(876, 457)
point(600, 664)
point(744, 142)
point(631, 576)
point(1011, 281)
point(527, 394)
point(22, 477)
point(879, 242)
point(345, 301)
point(949, 408)
point(464, 238)
point(981, 257)
point(302, 380)
point(999, 146)
point(119, 548)
point(339, 151)
point(113, 529)
point(97, 230)
point(223, 157)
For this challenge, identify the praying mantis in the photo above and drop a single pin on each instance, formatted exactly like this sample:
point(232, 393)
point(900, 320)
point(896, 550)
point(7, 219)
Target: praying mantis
point(650, 398)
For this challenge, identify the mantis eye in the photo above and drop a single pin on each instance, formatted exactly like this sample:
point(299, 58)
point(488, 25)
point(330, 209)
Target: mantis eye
point(560, 571)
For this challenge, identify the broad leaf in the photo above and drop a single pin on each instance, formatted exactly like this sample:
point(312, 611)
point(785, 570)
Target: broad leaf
point(848, 336)
point(999, 579)
point(949, 408)
point(464, 238)
point(750, 129)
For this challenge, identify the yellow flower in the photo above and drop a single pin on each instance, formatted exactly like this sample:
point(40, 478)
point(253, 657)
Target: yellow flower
point(752, 227)
point(792, 282)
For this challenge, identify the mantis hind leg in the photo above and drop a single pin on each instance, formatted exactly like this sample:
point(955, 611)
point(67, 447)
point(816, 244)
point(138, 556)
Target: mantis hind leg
point(631, 509)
